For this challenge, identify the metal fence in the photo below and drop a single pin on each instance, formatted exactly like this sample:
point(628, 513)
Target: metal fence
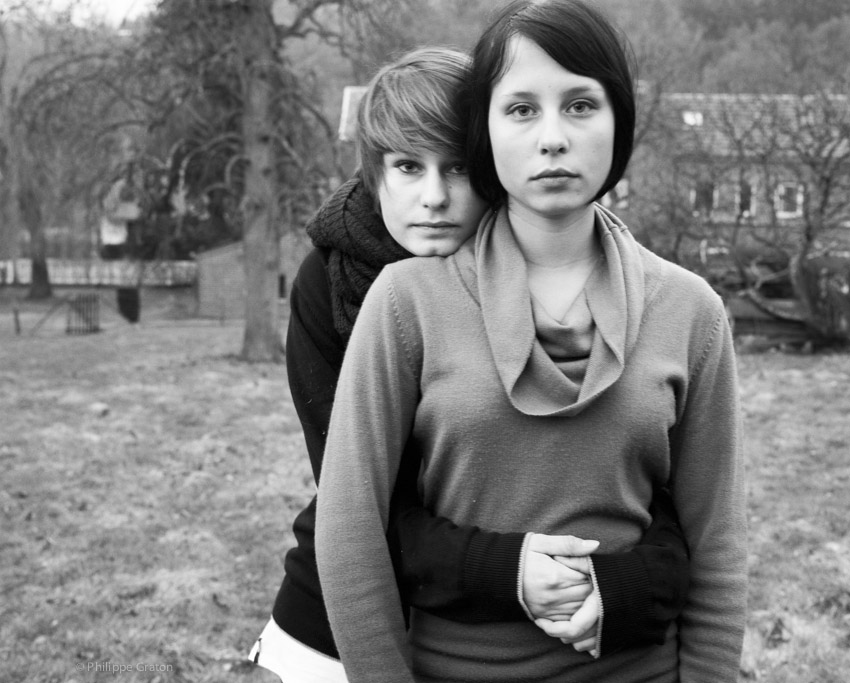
point(83, 314)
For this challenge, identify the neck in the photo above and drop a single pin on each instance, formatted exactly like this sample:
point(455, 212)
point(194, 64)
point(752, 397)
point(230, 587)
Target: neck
point(553, 243)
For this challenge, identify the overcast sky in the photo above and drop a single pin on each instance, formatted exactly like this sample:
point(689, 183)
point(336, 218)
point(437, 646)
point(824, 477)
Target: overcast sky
point(113, 10)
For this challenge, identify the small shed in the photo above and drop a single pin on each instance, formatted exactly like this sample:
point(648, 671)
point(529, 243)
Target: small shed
point(221, 275)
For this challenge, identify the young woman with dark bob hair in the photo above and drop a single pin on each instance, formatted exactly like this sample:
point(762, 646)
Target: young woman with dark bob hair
point(550, 375)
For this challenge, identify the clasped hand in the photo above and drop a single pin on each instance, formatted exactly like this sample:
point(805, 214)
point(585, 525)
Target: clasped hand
point(558, 591)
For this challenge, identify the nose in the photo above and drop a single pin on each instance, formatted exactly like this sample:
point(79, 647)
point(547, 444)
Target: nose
point(553, 135)
point(435, 191)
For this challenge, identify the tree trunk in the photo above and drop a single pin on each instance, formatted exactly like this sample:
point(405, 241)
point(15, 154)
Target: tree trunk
point(31, 214)
point(10, 214)
point(9, 226)
point(262, 340)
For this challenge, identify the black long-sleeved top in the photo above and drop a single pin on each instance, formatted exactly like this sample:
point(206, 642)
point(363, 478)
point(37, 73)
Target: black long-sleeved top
point(460, 573)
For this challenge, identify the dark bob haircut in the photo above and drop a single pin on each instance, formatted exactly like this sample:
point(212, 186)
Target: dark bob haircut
point(577, 37)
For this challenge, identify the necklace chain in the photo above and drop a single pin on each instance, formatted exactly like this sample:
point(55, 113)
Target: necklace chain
point(563, 265)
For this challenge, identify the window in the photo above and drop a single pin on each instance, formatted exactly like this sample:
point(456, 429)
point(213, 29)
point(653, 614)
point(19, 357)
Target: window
point(730, 200)
point(807, 118)
point(692, 118)
point(788, 200)
point(746, 206)
point(702, 197)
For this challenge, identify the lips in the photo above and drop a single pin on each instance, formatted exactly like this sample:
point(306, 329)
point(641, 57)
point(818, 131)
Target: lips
point(436, 225)
point(554, 173)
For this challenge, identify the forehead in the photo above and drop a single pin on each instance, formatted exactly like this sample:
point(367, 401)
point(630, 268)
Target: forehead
point(528, 67)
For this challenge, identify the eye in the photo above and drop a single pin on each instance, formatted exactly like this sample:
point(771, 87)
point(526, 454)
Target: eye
point(520, 111)
point(459, 168)
point(407, 166)
point(582, 107)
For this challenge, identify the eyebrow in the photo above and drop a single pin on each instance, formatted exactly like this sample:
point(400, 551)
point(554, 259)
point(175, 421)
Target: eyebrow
point(571, 92)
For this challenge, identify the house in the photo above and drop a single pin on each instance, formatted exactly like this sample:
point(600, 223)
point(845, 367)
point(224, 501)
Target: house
point(779, 164)
point(756, 189)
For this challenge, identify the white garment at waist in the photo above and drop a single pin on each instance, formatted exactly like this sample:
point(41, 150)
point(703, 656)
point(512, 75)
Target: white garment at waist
point(293, 661)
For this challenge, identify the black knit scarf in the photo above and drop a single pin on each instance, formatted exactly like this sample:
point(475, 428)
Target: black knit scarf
point(360, 246)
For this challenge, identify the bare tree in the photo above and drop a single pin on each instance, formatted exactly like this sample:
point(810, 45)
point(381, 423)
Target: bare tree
point(230, 73)
point(260, 209)
point(763, 179)
point(13, 36)
point(817, 140)
point(56, 106)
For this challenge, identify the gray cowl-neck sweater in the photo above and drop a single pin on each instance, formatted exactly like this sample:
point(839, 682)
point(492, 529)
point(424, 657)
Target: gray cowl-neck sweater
point(445, 352)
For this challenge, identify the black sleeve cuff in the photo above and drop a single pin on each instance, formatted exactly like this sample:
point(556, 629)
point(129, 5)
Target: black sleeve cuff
point(490, 576)
point(625, 589)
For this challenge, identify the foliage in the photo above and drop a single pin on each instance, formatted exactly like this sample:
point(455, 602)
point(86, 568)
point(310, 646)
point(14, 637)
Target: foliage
point(374, 37)
point(56, 106)
point(248, 121)
point(708, 197)
point(191, 82)
point(772, 47)
point(161, 105)
point(740, 45)
point(776, 57)
point(720, 17)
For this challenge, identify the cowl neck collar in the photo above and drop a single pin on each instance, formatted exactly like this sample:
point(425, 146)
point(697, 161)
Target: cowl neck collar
point(496, 273)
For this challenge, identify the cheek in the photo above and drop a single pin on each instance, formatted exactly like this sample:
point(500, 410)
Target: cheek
point(506, 161)
point(384, 199)
point(395, 201)
point(602, 151)
point(392, 214)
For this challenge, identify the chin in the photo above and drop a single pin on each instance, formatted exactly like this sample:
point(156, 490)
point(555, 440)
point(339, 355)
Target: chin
point(562, 209)
point(441, 249)
point(431, 251)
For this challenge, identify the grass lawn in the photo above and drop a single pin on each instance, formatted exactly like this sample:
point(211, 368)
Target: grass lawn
point(150, 480)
